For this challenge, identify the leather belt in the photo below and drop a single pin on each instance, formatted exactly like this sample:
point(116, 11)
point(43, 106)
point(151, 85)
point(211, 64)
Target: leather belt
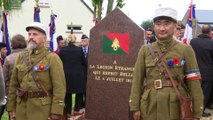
point(158, 84)
point(36, 94)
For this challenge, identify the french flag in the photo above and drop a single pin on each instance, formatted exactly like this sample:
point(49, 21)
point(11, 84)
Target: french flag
point(188, 34)
point(36, 16)
point(53, 42)
point(4, 32)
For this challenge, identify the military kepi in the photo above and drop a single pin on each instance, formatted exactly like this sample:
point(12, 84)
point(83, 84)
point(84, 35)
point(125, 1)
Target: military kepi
point(59, 38)
point(2, 45)
point(84, 36)
point(38, 26)
point(165, 12)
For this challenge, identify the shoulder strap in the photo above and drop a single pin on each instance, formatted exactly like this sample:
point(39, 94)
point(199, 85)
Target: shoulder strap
point(32, 65)
point(168, 74)
point(33, 73)
point(154, 57)
point(158, 59)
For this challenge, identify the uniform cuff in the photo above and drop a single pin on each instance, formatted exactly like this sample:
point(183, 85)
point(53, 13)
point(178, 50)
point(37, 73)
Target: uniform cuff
point(57, 109)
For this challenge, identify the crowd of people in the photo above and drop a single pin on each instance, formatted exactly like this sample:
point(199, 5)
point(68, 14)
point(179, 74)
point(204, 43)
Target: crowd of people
point(37, 84)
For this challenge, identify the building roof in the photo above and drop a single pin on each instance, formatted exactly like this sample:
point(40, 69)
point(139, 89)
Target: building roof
point(204, 16)
point(87, 6)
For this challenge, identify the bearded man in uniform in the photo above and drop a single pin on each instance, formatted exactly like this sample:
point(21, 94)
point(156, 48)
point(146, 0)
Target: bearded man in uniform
point(37, 86)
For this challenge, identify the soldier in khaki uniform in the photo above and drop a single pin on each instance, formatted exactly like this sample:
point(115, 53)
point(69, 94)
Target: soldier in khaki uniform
point(32, 102)
point(149, 101)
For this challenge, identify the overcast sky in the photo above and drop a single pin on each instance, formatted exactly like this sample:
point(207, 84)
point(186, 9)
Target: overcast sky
point(140, 10)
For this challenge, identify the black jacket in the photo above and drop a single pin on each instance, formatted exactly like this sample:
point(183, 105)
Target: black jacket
point(74, 64)
point(203, 47)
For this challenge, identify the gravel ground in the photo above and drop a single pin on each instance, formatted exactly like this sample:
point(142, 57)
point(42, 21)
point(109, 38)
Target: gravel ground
point(208, 118)
point(80, 117)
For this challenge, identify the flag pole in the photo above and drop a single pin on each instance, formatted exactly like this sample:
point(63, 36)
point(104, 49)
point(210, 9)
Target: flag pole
point(194, 22)
point(4, 29)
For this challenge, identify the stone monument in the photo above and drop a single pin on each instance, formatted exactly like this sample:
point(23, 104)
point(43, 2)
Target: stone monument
point(114, 45)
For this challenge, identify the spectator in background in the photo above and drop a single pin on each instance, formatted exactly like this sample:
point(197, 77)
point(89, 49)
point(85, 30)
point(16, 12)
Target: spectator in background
point(148, 35)
point(177, 34)
point(3, 52)
point(74, 64)
point(182, 31)
point(2, 89)
point(85, 48)
point(203, 47)
point(60, 42)
point(18, 44)
point(211, 34)
point(2, 92)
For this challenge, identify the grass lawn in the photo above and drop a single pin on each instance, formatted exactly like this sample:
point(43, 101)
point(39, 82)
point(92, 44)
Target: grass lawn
point(5, 115)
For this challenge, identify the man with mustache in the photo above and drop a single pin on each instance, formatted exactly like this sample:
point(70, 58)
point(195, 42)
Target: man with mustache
point(37, 86)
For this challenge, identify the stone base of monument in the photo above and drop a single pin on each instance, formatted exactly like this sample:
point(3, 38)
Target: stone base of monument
point(82, 117)
point(79, 117)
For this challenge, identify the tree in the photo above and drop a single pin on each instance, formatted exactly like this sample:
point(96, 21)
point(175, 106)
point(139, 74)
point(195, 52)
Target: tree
point(147, 24)
point(120, 4)
point(10, 4)
point(98, 5)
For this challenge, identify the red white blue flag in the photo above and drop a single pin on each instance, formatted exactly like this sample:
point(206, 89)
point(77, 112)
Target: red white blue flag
point(5, 33)
point(53, 42)
point(36, 14)
point(188, 34)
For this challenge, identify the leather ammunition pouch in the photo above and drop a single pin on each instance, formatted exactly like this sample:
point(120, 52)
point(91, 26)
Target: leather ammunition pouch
point(22, 93)
point(186, 107)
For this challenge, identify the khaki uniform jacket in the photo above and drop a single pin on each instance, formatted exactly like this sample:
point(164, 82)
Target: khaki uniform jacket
point(163, 104)
point(51, 77)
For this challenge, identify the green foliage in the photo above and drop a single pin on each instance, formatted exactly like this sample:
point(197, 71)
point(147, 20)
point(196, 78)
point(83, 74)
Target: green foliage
point(147, 24)
point(97, 4)
point(10, 4)
point(120, 3)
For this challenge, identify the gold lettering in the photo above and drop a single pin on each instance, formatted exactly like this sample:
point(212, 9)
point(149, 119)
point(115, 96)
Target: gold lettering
point(129, 80)
point(109, 73)
point(112, 73)
point(97, 78)
point(104, 67)
point(126, 74)
point(91, 66)
point(122, 68)
point(114, 79)
point(96, 72)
